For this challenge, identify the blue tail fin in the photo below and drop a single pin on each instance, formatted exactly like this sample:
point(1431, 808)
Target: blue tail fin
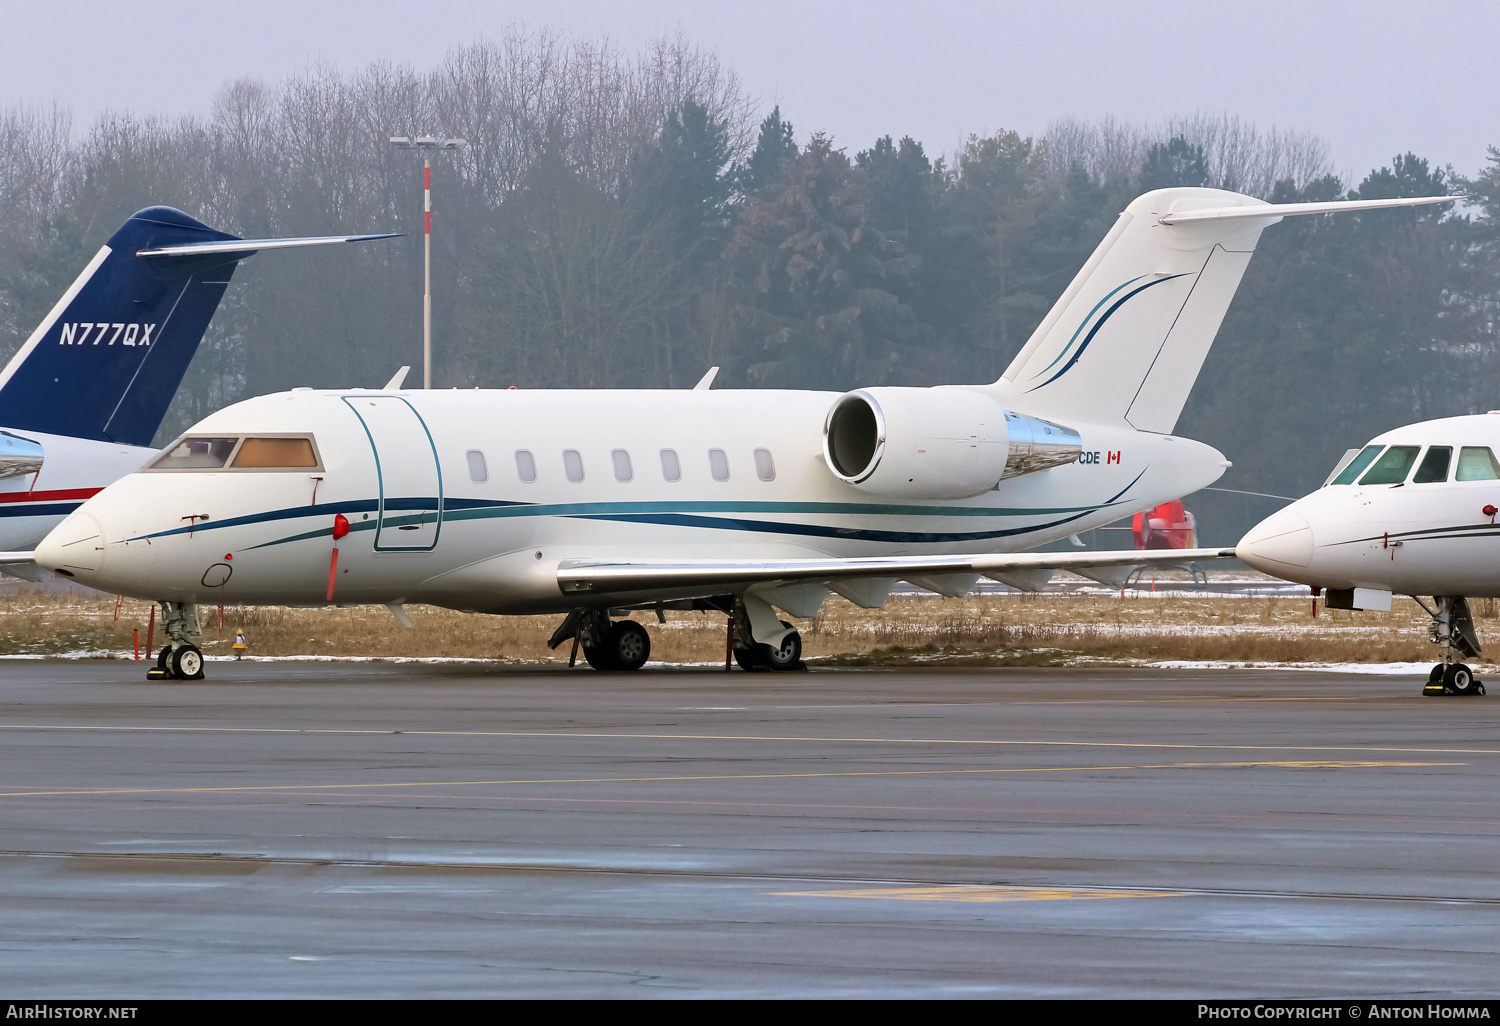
point(105, 363)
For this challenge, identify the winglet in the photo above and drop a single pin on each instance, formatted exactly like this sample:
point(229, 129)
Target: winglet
point(396, 379)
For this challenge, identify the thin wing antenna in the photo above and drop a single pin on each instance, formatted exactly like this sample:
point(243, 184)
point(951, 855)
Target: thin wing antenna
point(396, 379)
point(706, 381)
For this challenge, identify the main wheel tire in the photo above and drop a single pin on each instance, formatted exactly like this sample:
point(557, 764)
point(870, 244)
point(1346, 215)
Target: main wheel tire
point(785, 656)
point(597, 656)
point(1436, 675)
point(164, 660)
point(627, 644)
point(749, 659)
point(1460, 679)
point(187, 663)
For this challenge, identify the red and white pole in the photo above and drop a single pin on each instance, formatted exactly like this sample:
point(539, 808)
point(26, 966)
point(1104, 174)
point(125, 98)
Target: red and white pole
point(427, 272)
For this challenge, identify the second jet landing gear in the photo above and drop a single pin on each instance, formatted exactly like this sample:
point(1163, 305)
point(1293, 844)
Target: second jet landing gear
point(617, 645)
point(182, 659)
point(1452, 627)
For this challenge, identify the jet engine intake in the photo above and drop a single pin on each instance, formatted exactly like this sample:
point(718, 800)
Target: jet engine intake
point(937, 443)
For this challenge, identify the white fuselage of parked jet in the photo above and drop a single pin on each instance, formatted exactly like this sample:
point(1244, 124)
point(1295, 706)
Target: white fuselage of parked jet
point(32, 503)
point(1413, 513)
point(473, 499)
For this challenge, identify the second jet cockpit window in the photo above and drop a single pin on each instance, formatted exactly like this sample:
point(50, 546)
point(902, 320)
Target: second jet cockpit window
point(1357, 465)
point(1477, 463)
point(1434, 466)
point(1393, 466)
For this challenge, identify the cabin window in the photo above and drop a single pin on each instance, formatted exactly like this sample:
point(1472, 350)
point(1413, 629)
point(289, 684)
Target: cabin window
point(1434, 466)
point(718, 464)
point(671, 470)
point(1392, 467)
point(275, 454)
point(196, 454)
point(478, 472)
point(765, 466)
point(621, 460)
point(573, 464)
point(1477, 463)
point(1357, 466)
point(525, 466)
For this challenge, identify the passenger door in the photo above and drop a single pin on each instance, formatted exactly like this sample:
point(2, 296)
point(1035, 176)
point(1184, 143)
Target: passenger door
point(410, 481)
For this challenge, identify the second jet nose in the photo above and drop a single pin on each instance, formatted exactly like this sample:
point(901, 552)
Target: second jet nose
point(74, 547)
point(1280, 543)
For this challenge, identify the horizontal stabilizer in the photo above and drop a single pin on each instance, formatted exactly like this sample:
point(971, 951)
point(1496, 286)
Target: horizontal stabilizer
point(1293, 209)
point(684, 579)
point(248, 247)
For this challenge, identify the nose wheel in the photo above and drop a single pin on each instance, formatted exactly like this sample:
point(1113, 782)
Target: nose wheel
point(1452, 679)
point(182, 659)
point(1452, 628)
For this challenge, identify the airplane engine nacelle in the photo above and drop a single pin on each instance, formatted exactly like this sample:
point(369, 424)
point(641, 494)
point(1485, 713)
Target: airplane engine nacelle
point(937, 443)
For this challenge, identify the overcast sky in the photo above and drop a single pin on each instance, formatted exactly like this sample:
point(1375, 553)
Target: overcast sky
point(1372, 78)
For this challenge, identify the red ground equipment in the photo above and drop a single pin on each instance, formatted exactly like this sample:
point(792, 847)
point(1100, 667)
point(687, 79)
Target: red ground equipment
point(1168, 526)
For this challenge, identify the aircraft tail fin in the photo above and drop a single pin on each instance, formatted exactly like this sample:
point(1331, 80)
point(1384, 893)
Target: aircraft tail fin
point(106, 361)
point(1126, 340)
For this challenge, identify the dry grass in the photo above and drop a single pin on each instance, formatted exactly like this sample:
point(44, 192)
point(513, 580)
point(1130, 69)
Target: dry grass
point(1005, 629)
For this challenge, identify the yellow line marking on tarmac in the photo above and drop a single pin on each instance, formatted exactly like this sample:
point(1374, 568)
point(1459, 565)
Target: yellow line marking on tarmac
point(282, 788)
point(605, 736)
point(978, 894)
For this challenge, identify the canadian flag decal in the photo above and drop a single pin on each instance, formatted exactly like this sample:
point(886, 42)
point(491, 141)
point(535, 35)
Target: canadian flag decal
point(1113, 457)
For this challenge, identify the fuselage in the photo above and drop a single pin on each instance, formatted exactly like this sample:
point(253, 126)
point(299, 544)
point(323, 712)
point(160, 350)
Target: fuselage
point(471, 498)
point(1413, 514)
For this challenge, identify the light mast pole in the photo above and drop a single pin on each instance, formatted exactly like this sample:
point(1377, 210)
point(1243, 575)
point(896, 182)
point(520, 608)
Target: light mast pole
point(426, 145)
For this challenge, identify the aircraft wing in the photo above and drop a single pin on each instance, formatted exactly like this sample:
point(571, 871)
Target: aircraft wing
point(583, 577)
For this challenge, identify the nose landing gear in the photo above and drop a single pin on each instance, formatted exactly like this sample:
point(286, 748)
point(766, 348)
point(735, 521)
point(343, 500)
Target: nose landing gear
point(1452, 627)
point(182, 659)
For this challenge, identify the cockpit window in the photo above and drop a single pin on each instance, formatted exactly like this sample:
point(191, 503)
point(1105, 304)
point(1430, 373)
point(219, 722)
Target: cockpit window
point(255, 453)
point(196, 454)
point(1356, 466)
point(275, 454)
point(1434, 466)
point(1393, 466)
point(1477, 463)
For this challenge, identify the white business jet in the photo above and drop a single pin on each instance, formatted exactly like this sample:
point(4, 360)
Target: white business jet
point(1412, 513)
point(83, 396)
point(583, 503)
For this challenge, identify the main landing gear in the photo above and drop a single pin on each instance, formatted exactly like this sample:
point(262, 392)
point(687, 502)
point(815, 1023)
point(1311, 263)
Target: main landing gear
point(606, 644)
point(181, 659)
point(614, 645)
point(782, 652)
point(1452, 627)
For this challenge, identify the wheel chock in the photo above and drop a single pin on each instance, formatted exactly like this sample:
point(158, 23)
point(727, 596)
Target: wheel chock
point(1437, 688)
point(157, 673)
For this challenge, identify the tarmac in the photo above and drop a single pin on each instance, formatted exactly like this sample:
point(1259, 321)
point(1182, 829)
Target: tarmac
point(461, 831)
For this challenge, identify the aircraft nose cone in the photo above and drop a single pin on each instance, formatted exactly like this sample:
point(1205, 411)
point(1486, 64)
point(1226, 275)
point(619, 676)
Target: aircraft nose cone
point(76, 546)
point(1278, 543)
